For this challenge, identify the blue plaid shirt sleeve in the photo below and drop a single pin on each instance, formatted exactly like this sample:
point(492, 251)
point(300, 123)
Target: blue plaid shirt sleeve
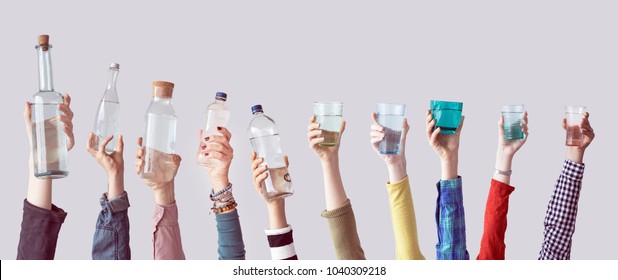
point(450, 220)
point(562, 213)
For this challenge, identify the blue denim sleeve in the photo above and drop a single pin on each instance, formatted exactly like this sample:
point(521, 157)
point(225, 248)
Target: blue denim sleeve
point(111, 237)
point(231, 245)
point(450, 220)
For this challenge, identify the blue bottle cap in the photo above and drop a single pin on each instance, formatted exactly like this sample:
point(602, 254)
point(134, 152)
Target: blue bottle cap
point(221, 96)
point(257, 108)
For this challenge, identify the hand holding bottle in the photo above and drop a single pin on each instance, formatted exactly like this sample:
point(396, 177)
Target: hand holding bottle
point(216, 150)
point(446, 146)
point(576, 153)
point(167, 166)
point(396, 163)
point(113, 163)
point(276, 206)
point(314, 135)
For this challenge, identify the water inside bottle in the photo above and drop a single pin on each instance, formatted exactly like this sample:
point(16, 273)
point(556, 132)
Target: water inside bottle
point(107, 124)
point(50, 161)
point(279, 182)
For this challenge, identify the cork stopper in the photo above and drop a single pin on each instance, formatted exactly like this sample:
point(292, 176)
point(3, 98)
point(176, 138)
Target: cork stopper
point(162, 89)
point(44, 41)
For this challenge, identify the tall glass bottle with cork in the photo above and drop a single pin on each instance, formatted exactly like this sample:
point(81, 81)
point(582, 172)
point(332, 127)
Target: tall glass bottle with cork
point(160, 134)
point(49, 142)
point(107, 119)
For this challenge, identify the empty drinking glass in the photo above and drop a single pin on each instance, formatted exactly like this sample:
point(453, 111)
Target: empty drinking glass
point(328, 115)
point(390, 116)
point(513, 118)
point(574, 116)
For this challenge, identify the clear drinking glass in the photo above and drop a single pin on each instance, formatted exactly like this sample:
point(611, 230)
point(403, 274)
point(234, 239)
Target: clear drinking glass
point(390, 116)
point(328, 115)
point(574, 116)
point(513, 118)
point(447, 115)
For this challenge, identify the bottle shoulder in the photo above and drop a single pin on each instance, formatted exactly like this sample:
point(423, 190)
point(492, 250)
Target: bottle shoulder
point(262, 125)
point(47, 97)
point(110, 95)
point(161, 108)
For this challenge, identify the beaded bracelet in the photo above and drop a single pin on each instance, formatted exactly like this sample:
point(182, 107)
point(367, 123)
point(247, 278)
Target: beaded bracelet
point(213, 194)
point(225, 208)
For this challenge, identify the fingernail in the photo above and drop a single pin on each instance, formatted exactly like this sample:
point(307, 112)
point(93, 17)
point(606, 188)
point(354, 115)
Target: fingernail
point(218, 128)
point(206, 154)
point(206, 138)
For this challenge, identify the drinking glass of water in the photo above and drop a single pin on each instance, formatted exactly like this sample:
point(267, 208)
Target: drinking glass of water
point(390, 116)
point(513, 117)
point(574, 116)
point(447, 115)
point(328, 115)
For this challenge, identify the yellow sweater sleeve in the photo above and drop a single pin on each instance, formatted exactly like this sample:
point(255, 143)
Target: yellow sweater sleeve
point(404, 221)
point(342, 224)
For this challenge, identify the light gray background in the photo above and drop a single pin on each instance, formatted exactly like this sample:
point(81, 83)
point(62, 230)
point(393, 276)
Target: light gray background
point(287, 54)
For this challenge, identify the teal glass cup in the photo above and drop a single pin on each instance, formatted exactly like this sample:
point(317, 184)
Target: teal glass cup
point(390, 116)
point(513, 118)
point(447, 115)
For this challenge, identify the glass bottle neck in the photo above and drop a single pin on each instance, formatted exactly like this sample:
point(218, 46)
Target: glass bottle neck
point(45, 68)
point(257, 113)
point(113, 77)
point(161, 100)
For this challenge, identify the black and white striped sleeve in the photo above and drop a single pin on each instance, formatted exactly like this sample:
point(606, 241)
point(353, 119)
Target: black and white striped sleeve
point(562, 213)
point(281, 243)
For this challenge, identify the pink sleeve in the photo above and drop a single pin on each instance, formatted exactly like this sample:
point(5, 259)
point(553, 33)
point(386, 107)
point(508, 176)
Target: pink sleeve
point(166, 233)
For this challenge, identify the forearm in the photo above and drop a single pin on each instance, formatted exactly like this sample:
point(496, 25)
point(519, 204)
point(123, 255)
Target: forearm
point(494, 228)
point(562, 213)
point(230, 241)
point(115, 184)
point(39, 190)
point(450, 219)
point(333, 186)
point(503, 163)
point(343, 233)
point(449, 165)
point(166, 239)
point(397, 171)
point(404, 220)
point(276, 214)
point(575, 154)
point(39, 232)
point(111, 236)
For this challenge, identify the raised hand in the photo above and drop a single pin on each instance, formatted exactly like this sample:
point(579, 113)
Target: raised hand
point(377, 135)
point(575, 153)
point(445, 145)
point(165, 170)
point(314, 135)
point(113, 163)
point(216, 155)
point(510, 147)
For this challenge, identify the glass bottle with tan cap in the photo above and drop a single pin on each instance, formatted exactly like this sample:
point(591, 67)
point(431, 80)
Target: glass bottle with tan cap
point(49, 142)
point(160, 134)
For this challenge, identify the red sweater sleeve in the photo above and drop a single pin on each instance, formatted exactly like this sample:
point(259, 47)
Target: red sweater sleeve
point(492, 242)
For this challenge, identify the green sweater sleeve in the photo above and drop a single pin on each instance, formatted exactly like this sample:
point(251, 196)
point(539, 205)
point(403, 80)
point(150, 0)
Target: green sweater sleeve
point(404, 221)
point(342, 224)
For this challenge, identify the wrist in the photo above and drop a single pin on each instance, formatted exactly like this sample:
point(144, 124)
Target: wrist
point(164, 194)
point(330, 160)
point(276, 214)
point(504, 161)
point(397, 171)
point(449, 168)
point(219, 183)
point(575, 154)
point(115, 184)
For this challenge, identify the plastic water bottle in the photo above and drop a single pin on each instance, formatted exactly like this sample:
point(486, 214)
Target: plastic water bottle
point(217, 115)
point(264, 137)
point(160, 134)
point(49, 142)
point(107, 119)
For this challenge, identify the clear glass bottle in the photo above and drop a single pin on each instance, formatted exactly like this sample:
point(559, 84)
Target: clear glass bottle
point(107, 119)
point(217, 115)
point(160, 134)
point(49, 142)
point(264, 137)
